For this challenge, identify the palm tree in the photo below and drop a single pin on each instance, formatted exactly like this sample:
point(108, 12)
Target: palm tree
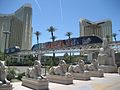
point(52, 30)
point(69, 37)
point(114, 36)
point(68, 34)
point(107, 36)
point(37, 33)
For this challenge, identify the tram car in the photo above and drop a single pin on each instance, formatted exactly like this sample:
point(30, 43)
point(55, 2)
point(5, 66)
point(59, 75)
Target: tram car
point(13, 49)
point(84, 40)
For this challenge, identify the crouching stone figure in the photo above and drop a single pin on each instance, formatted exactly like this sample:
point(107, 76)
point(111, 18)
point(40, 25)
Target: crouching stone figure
point(94, 70)
point(79, 68)
point(61, 69)
point(35, 71)
point(3, 79)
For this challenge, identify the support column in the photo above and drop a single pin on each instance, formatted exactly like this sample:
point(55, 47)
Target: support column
point(39, 55)
point(18, 58)
point(90, 56)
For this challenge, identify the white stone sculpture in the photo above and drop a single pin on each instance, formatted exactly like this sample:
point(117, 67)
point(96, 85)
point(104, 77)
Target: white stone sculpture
point(61, 69)
point(59, 74)
point(35, 71)
point(93, 66)
point(33, 78)
point(106, 55)
point(94, 70)
point(4, 83)
point(78, 71)
point(79, 68)
point(106, 58)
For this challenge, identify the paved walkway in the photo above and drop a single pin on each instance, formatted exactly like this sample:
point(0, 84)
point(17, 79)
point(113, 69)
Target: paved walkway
point(109, 82)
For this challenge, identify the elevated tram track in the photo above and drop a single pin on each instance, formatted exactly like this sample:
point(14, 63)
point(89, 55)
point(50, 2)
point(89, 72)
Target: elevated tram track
point(75, 49)
point(84, 45)
point(88, 50)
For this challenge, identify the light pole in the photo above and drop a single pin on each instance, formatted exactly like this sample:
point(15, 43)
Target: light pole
point(6, 33)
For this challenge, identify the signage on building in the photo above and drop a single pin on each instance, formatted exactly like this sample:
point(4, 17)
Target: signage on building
point(68, 43)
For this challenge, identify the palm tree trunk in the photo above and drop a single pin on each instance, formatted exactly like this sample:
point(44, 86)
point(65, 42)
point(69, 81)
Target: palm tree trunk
point(53, 50)
point(53, 58)
point(37, 39)
point(115, 39)
point(70, 48)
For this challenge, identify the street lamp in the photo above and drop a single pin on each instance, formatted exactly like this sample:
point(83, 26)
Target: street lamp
point(6, 33)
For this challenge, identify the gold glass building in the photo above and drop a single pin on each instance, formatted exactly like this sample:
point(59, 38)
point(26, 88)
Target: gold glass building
point(19, 24)
point(100, 28)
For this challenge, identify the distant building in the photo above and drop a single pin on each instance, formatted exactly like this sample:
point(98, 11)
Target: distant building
point(100, 28)
point(19, 24)
point(4, 26)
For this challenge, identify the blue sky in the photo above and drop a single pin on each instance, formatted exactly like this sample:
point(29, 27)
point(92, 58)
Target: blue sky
point(64, 15)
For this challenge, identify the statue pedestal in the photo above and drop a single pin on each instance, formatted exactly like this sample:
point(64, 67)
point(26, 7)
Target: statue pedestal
point(98, 73)
point(35, 84)
point(6, 87)
point(108, 68)
point(60, 79)
point(81, 76)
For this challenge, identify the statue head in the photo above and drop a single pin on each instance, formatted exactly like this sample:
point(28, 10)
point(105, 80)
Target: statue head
point(63, 65)
point(37, 62)
point(81, 62)
point(62, 62)
point(95, 64)
point(94, 60)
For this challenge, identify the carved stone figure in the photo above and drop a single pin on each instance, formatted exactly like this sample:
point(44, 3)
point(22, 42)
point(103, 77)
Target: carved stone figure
point(94, 70)
point(79, 68)
point(3, 79)
point(59, 74)
point(93, 66)
point(78, 71)
point(33, 78)
point(35, 71)
point(4, 83)
point(61, 69)
point(106, 58)
point(106, 55)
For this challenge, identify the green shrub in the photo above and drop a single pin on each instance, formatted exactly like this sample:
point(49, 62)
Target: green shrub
point(20, 75)
point(11, 73)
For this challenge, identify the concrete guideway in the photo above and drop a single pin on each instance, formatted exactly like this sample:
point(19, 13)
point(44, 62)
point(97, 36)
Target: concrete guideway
point(81, 48)
point(111, 81)
point(75, 49)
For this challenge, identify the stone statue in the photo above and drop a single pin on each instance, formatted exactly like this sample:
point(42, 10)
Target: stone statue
point(93, 66)
point(94, 70)
point(3, 79)
point(106, 55)
point(61, 69)
point(33, 78)
point(78, 71)
point(35, 71)
point(79, 68)
point(59, 74)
